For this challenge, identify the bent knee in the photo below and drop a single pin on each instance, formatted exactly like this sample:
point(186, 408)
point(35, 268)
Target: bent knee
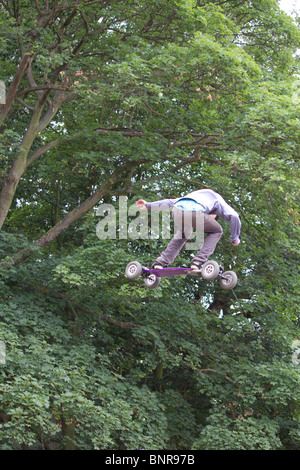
point(218, 231)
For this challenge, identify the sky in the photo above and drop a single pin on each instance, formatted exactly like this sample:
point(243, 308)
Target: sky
point(289, 5)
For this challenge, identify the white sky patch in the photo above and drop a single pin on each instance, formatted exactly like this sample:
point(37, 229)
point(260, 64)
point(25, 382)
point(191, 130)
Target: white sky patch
point(290, 6)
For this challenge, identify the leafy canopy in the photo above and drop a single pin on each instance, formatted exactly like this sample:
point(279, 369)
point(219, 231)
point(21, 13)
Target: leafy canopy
point(153, 100)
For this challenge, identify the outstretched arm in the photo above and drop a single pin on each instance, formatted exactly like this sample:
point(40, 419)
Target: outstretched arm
point(156, 205)
point(235, 229)
point(141, 203)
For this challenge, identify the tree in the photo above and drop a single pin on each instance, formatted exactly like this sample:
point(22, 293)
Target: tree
point(60, 61)
point(156, 99)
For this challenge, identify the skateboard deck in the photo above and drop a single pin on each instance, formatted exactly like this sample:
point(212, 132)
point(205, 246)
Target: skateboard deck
point(209, 271)
point(166, 272)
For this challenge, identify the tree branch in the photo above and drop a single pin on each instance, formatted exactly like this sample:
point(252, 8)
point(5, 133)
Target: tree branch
point(204, 371)
point(57, 102)
point(36, 88)
point(73, 305)
point(5, 5)
point(201, 140)
point(10, 96)
point(71, 217)
point(35, 155)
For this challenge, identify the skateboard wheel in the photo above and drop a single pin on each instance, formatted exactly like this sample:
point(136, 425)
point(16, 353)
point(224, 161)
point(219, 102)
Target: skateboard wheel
point(133, 270)
point(152, 281)
point(210, 270)
point(228, 280)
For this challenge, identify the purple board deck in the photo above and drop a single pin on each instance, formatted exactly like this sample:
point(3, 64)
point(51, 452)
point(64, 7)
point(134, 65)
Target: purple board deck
point(166, 272)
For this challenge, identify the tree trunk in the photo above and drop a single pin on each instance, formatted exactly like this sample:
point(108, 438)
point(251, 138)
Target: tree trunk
point(11, 182)
point(10, 96)
point(68, 431)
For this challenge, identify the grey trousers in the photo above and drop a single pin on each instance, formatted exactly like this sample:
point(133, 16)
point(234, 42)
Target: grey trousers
point(186, 223)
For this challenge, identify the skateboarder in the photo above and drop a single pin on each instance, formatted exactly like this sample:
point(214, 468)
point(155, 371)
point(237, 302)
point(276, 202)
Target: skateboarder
point(202, 203)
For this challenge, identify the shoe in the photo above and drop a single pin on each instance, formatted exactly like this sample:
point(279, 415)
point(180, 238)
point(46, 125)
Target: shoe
point(158, 265)
point(196, 266)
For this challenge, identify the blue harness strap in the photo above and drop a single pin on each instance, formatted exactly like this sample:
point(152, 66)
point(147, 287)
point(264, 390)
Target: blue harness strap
point(186, 204)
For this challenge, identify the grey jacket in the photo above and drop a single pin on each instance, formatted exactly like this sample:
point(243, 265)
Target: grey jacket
point(213, 204)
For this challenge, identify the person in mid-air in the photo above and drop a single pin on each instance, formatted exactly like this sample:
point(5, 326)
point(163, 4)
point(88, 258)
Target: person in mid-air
point(203, 203)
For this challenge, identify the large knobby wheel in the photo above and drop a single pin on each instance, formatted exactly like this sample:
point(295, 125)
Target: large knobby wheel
point(152, 281)
point(133, 270)
point(210, 270)
point(228, 280)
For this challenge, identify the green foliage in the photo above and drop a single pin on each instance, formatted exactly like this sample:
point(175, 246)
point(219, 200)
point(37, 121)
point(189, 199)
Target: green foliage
point(152, 100)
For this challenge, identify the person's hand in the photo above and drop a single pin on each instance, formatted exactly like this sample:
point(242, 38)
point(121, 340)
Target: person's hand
point(236, 244)
point(141, 204)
